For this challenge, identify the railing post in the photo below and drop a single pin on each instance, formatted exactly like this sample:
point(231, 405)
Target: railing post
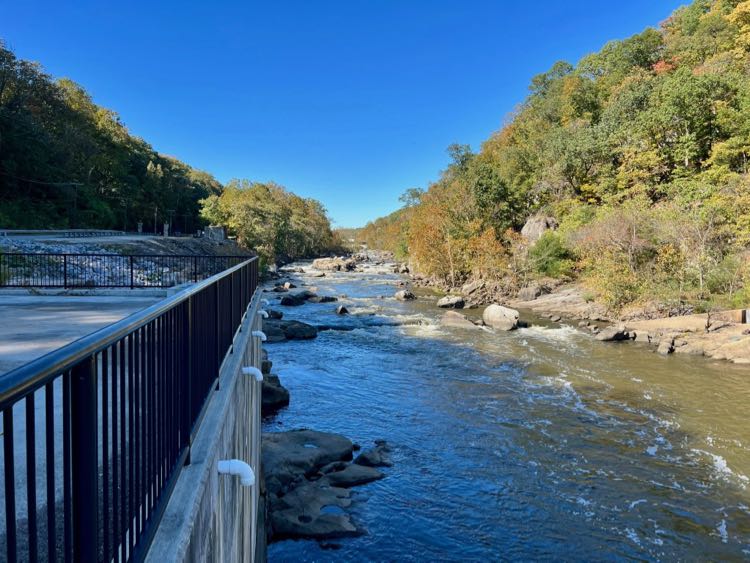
point(188, 395)
point(85, 460)
point(132, 279)
point(65, 271)
point(195, 269)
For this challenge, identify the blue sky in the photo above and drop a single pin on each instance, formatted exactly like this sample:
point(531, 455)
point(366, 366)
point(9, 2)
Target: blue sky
point(350, 102)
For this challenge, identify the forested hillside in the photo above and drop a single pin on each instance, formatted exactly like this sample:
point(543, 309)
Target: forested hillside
point(66, 162)
point(639, 153)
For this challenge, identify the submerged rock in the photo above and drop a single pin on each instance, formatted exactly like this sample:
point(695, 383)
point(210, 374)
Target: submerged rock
point(291, 301)
point(375, 457)
point(274, 314)
point(500, 318)
point(323, 299)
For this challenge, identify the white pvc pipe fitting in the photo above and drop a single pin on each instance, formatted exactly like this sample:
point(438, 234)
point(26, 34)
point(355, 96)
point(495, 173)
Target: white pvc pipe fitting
point(240, 469)
point(255, 372)
point(259, 334)
point(263, 313)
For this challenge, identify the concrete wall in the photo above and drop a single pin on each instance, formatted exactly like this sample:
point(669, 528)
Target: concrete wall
point(211, 517)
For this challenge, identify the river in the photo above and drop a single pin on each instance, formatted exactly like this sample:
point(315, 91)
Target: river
point(534, 444)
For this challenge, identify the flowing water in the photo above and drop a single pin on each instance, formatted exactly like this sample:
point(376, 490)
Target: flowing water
point(534, 444)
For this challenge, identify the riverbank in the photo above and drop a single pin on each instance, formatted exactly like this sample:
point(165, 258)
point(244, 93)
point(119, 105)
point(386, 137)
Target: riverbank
point(717, 335)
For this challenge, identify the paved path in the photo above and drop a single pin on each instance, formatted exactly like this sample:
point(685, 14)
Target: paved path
point(31, 326)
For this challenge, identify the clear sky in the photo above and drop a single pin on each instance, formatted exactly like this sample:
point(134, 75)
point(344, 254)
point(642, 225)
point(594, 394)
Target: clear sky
point(347, 101)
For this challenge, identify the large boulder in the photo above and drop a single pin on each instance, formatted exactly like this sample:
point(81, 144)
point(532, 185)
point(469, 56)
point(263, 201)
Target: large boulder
point(404, 295)
point(335, 264)
point(451, 302)
point(500, 318)
point(323, 299)
point(536, 226)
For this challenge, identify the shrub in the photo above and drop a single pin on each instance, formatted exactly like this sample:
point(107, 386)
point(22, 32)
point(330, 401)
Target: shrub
point(550, 257)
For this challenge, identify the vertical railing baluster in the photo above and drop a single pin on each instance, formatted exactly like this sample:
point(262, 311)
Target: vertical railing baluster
point(49, 414)
point(31, 477)
point(85, 471)
point(10, 485)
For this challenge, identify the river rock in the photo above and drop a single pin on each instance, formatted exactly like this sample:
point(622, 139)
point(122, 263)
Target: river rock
point(291, 301)
point(273, 332)
point(289, 285)
point(299, 453)
point(266, 365)
point(295, 330)
point(341, 310)
point(404, 295)
point(335, 264)
point(352, 476)
point(274, 396)
point(312, 510)
point(451, 302)
point(529, 293)
point(500, 318)
point(666, 346)
point(613, 333)
point(274, 314)
point(456, 320)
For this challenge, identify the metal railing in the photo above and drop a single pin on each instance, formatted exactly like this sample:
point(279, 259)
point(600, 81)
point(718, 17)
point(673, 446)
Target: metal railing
point(95, 434)
point(68, 271)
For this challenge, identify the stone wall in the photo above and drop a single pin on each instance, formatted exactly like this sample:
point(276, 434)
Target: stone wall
point(211, 517)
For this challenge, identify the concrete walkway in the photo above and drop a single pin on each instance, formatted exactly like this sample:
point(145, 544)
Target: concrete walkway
point(32, 325)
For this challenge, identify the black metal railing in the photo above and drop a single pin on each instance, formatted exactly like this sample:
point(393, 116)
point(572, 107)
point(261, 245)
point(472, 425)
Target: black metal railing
point(108, 270)
point(95, 434)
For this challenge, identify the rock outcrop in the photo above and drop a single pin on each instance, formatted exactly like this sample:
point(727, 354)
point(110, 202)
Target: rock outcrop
point(307, 475)
point(536, 226)
point(500, 318)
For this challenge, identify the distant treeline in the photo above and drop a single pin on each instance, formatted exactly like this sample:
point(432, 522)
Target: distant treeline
point(640, 153)
point(66, 162)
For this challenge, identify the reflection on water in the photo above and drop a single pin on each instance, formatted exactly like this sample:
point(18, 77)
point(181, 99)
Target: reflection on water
point(533, 444)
